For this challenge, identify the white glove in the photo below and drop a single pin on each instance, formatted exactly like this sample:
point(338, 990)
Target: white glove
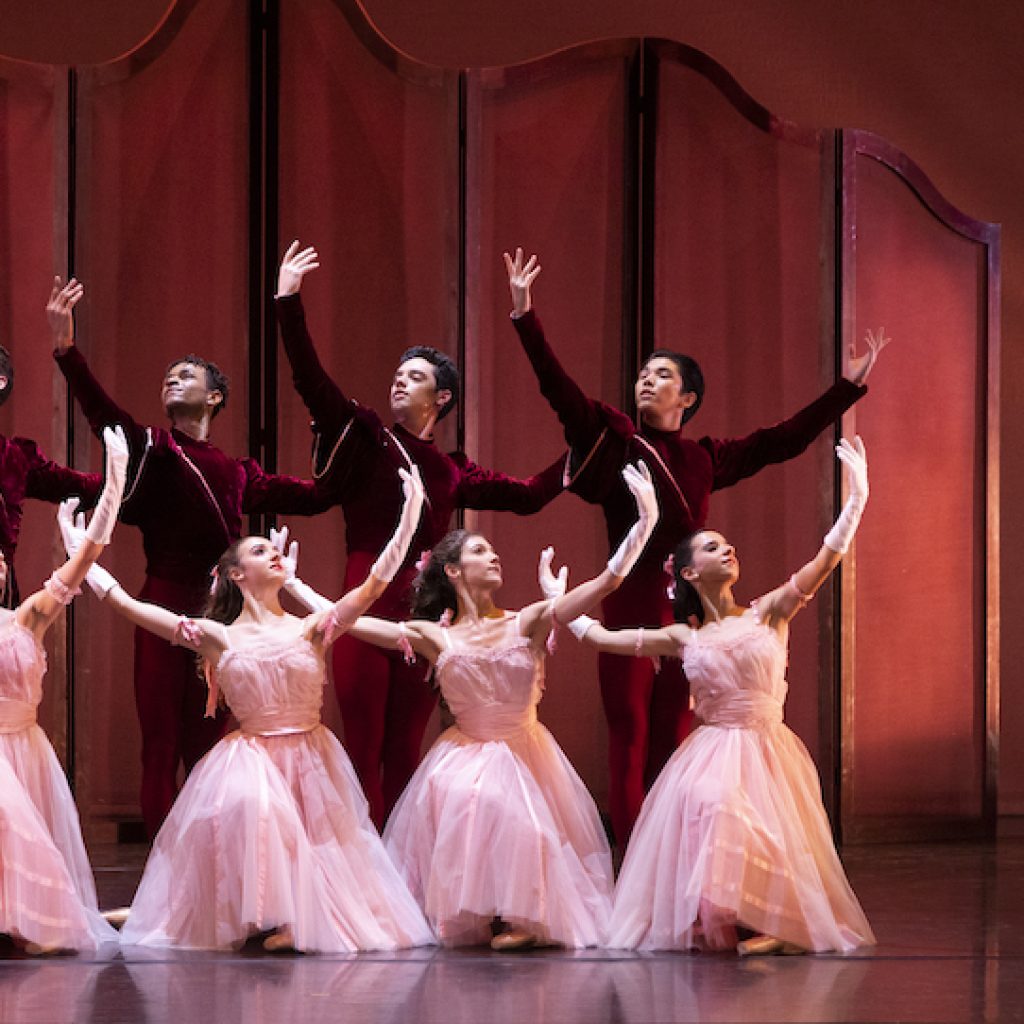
point(855, 459)
point(551, 586)
point(104, 517)
point(391, 558)
point(73, 533)
point(579, 626)
point(302, 592)
point(638, 480)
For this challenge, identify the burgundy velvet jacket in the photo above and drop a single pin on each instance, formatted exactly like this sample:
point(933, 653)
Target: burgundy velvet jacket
point(187, 496)
point(602, 439)
point(356, 459)
point(25, 472)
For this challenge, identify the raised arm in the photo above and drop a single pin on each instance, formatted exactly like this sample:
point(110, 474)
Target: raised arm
point(349, 607)
point(96, 405)
point(536, 619)
point(278, 493)
point(736, 459)
point(578, 414)
point(327, 404)
point(39, 610)
point(784, 602)
point(207, 638)
point(50, 481)
point(486, 489)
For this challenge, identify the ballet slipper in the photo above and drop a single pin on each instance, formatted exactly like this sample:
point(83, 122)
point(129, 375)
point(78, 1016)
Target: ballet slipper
point(279, 941)
point(513, 939)
point(116, 917)
point(42, 949)
point(760, 945)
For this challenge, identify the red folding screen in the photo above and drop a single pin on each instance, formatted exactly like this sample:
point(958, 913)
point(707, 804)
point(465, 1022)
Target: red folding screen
point(920, 607)
point(668, 208)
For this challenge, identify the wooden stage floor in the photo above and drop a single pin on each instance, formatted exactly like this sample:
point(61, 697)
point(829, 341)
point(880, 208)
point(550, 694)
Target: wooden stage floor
point(949, 919)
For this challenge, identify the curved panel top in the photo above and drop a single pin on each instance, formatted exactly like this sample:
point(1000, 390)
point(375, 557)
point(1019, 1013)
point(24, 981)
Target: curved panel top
point(87, 33)
point(880, 149)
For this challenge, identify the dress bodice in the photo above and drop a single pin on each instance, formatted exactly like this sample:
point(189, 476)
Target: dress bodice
point(22, 666)
point(737, 673)
point(493, 692)
point(274, 685)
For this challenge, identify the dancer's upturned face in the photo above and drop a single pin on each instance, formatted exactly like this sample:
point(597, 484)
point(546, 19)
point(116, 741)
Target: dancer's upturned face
point(660, 389)
point(713, 560)
point(186, 386)
point(414, 393)
point(479, 564)
point(259, 563)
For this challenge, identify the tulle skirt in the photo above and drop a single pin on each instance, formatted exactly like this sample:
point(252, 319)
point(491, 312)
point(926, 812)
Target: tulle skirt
point(734, 832)
point(270, 832)
point(47, 892)
point(505, 829)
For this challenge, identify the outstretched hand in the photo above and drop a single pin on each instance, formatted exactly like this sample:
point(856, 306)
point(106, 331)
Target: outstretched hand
point(520, 277)
point(63, 299)
point(72, 525)
point(289, 557)
point(858, 367)
point(551, 586)
point(638, 480)
point(295, 265)
point(855, 458)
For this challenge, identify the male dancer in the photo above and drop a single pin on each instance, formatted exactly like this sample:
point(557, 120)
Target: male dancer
point(25, 472)
point(385, 703)
point(187, 497)
point(647, 709)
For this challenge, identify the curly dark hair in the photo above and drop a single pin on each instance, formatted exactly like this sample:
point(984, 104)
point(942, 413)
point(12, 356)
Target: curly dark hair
point(216, 378)
point(446, 373)
point(433, 593)
point(689, 369)
point(687, 603)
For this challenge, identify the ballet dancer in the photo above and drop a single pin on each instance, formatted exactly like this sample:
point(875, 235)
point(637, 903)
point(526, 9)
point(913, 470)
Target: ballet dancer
point(384, 703)
point(495, 827)
point(47, 893)
point(270, 833)
point(647, 709)
point(187, 497)
point(733, 833)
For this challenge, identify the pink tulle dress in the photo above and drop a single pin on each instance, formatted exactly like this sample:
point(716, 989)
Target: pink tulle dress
point(495, 822)
point(47, 892)
point(734, 830)
point(271, 828)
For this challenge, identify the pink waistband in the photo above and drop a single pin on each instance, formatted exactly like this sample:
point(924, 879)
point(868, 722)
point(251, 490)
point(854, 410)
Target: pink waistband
point(272, 721)
point(16, 715)
point(747, 710)
point(495, 721)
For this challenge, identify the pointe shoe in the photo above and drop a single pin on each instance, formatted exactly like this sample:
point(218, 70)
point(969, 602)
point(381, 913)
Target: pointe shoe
point(279, 941)
point(760, 945)
point(40, 949)
point(513, 939)
point(117, 916)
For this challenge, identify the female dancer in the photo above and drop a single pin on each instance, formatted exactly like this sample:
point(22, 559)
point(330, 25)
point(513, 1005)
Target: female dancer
point(270, 832)
point(495, 823)
point(47, 893)
point(733, 833)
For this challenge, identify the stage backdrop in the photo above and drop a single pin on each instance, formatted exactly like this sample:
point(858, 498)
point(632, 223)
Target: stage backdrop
point(668, 208)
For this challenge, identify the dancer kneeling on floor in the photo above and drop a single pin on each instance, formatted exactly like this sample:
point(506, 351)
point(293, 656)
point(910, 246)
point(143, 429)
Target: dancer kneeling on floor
point(734, 833)
point(495, 827)
point(271, 831)
point(47, 892)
